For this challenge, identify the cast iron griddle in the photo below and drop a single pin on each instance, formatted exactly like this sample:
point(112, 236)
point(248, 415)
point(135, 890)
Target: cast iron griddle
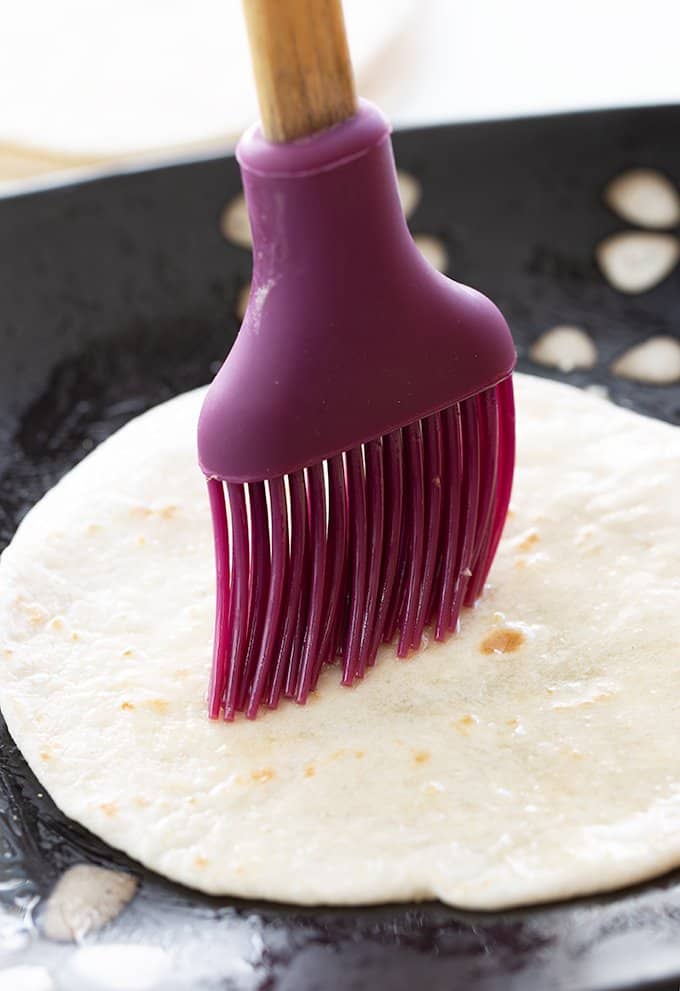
point(118, 293)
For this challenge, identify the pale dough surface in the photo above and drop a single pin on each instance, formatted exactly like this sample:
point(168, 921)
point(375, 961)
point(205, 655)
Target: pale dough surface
point(483, 777)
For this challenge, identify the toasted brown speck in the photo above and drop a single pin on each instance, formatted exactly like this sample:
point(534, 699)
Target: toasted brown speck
point(159, 705)
point(141, 540)
point(36, 615)
point(140, 801)
point(201, 861)
point(502, 641)
point(140, 512)
point(168, 512)
point(6, 652)
point(92, 528)
point(57, 623)
point(464, 724)
point(45, 755)
point(266, 774)
point(109, 808)
point(421, 756)
point(128, 653)
point(512, 723)
point(75, 636)
point(359, 753)
point(310, 771)
point(529, 541)
point(127, 705)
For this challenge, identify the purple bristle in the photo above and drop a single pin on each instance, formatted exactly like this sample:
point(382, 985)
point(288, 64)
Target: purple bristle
point(395, 534)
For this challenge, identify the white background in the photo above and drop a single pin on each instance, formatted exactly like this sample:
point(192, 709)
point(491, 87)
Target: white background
point(99, 81)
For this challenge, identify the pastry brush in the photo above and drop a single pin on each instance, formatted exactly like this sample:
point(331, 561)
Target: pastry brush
point(359, 439)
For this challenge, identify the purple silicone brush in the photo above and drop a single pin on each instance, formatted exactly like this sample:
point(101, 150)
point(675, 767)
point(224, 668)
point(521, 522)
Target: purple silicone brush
point(362, 426)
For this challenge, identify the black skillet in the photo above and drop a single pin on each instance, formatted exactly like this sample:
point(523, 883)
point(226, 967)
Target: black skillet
point(118, 293)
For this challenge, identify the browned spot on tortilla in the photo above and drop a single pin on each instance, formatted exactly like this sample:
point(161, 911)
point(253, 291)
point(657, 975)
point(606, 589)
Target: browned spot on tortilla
point(75, 636)
point(93, 528)
point(168, 512)
point(182, 673)
point(502, 641)
point(266, 774)
point(36, 615)
point(141, 801)
point(511, 514)
point(359, 753)
point(529, 541)
point(159, 705)
point(57, 623)
point(421, 756)
point(141, 540)
point(128, 653)
point(513, 723)
point(464, 724)
point(140, 512)
point(109, 808)
point(201, 861)
point(338, 753)
point(520, 562)
point(45, 755)
point(6, 652)
point(127, 705)
point(310, 771)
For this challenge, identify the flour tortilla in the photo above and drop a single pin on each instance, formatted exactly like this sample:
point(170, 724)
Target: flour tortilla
point(535, 756)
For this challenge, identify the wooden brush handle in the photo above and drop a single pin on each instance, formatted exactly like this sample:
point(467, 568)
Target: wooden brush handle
point(302, 68)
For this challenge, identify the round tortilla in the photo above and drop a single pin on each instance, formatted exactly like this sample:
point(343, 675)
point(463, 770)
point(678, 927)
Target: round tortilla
point(534, 756)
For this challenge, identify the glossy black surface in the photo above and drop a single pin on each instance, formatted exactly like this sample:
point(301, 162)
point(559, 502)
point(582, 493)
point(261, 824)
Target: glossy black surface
point(119, 293)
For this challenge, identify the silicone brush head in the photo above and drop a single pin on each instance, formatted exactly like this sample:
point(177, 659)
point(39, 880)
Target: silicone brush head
point(362, 426)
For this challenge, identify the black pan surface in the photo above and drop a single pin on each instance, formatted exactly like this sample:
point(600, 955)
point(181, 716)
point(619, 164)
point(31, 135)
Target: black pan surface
point(118, 293)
